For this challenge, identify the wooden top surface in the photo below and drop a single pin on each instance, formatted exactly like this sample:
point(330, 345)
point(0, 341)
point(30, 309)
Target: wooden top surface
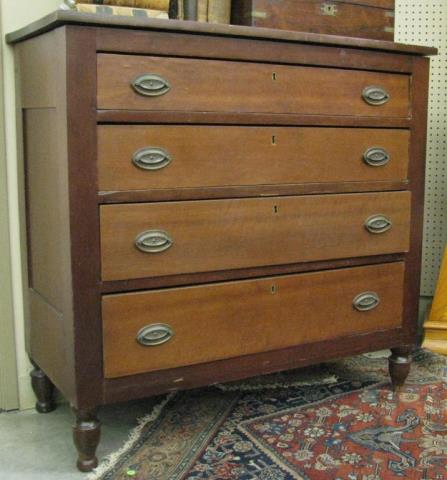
point(61, 17)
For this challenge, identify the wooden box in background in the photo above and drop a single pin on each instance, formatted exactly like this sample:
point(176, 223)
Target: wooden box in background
point(352, 18)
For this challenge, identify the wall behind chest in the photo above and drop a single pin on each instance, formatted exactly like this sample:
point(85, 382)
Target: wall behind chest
point(16, 14)
point(425, 23)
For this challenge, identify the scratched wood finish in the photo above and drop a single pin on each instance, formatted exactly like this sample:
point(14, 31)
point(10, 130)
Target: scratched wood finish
point(228, 234)
point(210, 85)
point(224, 48)
point(210, 156)
point(230, 191)
point(364, 19)
point(143, 26)
point(171, 380)
point(240, 318)
point(70, 347)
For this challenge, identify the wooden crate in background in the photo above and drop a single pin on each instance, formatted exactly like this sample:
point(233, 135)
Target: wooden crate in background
point(352, 18)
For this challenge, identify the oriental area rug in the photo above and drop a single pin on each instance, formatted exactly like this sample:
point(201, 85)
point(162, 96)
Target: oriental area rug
point(338, 421)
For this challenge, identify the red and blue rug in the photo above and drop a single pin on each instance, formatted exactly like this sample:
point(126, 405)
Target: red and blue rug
point(346, 425)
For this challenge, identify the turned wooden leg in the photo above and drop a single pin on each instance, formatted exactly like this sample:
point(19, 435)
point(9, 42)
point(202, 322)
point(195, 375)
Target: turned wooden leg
point(399, 365)
point(86, 435)
point(44, 391)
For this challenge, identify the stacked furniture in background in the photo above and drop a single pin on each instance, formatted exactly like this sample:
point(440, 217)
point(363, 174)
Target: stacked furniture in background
point(225, 202)
point(353, 18)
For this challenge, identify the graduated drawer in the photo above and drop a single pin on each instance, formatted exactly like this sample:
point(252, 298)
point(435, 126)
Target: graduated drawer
point(151, 157)
point(175, 84)
point(170, 328)
point(156, 239)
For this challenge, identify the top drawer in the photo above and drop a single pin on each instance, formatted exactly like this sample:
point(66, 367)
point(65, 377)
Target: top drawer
point(175, 84)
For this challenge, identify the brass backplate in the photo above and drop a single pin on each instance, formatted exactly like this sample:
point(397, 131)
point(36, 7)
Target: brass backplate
point(329, 9)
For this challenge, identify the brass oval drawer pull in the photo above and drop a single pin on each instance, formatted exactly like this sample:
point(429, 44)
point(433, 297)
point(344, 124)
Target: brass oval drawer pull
point(153, 241)
point(376, 156)
point(151, 158)
point(151, 85)
point(155, 334)
point(366, 301)
point(378, 224)
point(375, 95)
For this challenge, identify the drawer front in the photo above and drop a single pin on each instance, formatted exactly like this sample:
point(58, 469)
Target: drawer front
point(221, 86)
point(143, 240)
point(150, 157)
point(163, 329)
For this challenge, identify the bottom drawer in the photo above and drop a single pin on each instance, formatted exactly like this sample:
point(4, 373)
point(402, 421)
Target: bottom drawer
point(163, 329)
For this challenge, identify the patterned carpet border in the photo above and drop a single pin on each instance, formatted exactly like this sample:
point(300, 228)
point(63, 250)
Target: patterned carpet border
point(308, 376)
point(338, 420)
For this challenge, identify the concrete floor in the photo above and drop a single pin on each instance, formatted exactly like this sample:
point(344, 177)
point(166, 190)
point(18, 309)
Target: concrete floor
point(39, 447)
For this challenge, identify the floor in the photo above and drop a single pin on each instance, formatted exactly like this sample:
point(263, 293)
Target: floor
point(39, 447)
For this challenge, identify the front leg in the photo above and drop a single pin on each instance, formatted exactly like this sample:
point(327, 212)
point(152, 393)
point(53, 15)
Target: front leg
point(399, 366)
point(86, 436)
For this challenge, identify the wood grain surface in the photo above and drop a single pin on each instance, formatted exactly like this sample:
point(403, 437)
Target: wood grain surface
point(191, 45)
point(224, 86)
point(215, 156)
point(240, 318)
point(143, 26)
point(49, 324)
point(227, 234)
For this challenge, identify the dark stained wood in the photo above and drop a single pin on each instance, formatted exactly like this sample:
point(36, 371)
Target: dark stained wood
point(130, 285)
point(86, 436)
point(279, 312)
point(386, 4)
point(50, 343)
point(49, 255)
point(399, 366)
point(223, 118)
point(350, 19)
point(59, 18)
point(161, 195)
point(43, 388)
point(49, 326)
point(211, 156)
point(225, 86)
point(420, 87)
point(229, 234)
point(84, 219)
point(143, 385)
point(247, 49)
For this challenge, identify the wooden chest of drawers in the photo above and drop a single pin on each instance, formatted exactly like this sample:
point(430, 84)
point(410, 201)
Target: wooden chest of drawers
point(206, 203)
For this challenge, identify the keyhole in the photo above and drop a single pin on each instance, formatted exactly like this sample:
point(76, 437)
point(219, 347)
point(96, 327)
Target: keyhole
point(273, 289)
point(274, 75)
point(275, 209)
point(273, 139)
